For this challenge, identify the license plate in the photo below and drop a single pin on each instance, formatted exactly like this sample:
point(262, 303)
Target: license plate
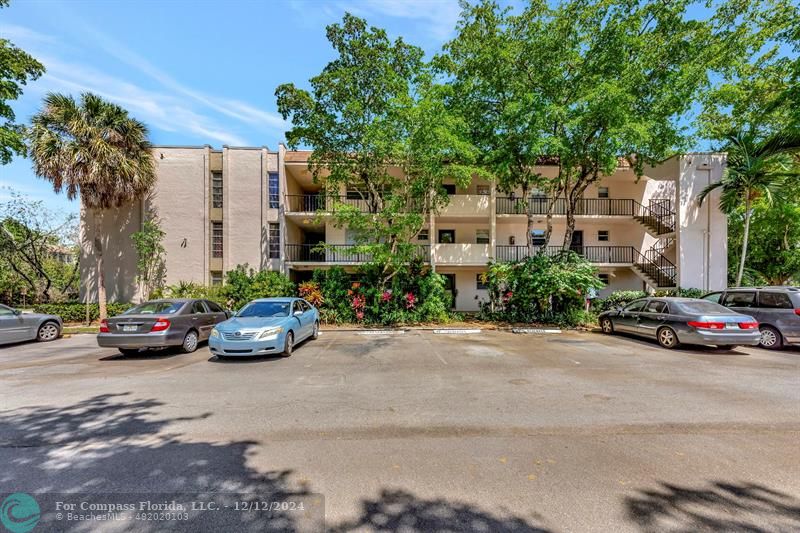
point(130, 328)
point(731, 325)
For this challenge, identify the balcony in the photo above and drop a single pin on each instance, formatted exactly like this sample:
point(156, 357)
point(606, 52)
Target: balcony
point(313, 203)
point(461, 254)
point(507, 205)
point(467, 205)
point(343, 254)
point(613, 255)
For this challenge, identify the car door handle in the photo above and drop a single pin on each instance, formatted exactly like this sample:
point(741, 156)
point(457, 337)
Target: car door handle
point(661, 318)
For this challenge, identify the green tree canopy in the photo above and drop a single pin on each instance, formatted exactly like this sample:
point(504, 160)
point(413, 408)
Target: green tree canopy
point(377, 125)
point(16, 69)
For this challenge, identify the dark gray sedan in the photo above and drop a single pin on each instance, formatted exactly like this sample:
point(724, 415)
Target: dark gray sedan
point(672, 321)
point(178, 322)
point(16, 326)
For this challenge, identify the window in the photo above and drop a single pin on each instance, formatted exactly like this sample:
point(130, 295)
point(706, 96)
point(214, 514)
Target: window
point(483, 190)
point(449, 188)
point(274, 240)
point(155, 308)
point(214, 308)
point(274, 190)
point(305, 306)
point(713, 297)
point(482, 236)
point(739, 299)
point(602, 192)
point(447, 236)
point(604, 277)
point(198, 308)
point(537, 235)
point(634, 307)
point(216, 239)
point(700, 308)
point(538, 194)
point(774, 300)
point(265, 309)
point(655, 306)
point(6, 311)
point(602, 235)
point(480, 284)
point(216, 277)
point(422, 235)
point(355, 194)
point(216, 190)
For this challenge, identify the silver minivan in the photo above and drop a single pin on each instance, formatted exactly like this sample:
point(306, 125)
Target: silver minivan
point(777, 310)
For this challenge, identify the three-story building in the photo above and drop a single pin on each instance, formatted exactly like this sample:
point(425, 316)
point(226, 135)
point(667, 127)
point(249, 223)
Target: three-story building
point(255, 206)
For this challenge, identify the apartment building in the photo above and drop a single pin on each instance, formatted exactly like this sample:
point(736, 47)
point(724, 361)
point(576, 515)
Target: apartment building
point(221, 208)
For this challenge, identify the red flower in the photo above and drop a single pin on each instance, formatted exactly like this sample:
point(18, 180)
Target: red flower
point(387, 295)
point(360, 315)
point(410, 300)
point(358, 302)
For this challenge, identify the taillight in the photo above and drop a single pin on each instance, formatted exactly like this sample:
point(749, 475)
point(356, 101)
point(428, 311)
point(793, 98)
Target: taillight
point(104, 326)
point(160, 325)
point(797, 311)
point(707, 325)
point(748, 325)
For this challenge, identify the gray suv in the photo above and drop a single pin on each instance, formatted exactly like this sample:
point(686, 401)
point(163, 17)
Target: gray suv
point(777, 310)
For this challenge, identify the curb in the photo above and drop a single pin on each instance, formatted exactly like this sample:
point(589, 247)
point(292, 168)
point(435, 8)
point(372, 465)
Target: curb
point(456, 331)
point(538, 331)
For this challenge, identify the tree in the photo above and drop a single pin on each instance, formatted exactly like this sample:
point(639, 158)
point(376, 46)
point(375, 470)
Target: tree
point(756, 170)
point(16, 69)
point(95, 150)
point(38, 250)
point(585, 84)
point(150, 266)
point(377, 126)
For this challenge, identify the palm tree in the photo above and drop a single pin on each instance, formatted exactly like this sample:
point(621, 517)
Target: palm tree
point(757, 168)
point(94, 150)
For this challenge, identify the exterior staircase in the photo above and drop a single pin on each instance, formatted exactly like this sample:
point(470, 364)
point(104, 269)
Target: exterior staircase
point(658, 217)
point(655, 269)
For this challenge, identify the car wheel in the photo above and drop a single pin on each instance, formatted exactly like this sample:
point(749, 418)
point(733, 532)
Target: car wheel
point(221, 357)
point(289, 345)
point(770, 338)
point(726, 346)
point(667, 338)
point(607, 326)
point(48, 331)
point(189, 342)
point(315, 331)
point(128, 351)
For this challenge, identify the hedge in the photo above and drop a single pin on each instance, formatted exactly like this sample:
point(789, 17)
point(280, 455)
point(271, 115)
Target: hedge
point(76, 311)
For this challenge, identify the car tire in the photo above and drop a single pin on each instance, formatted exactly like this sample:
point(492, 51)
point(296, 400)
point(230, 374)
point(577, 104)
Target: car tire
point(771, 338)
point(49, 331)
point(726, 346)
point(667, 338)
point(221, 357)
point(315, 331)
point(190, 342)
point(288, 345)
point(128, 351)
point(607, 326)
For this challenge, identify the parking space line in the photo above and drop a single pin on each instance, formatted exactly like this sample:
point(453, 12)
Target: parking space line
point(435, 351)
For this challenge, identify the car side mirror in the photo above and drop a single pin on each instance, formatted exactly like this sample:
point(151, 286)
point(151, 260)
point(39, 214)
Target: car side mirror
point(17, 312)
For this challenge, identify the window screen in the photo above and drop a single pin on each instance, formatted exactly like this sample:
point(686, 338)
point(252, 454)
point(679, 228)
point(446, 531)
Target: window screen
point(274, 191)
point(274, 240)
point(216, 239)
point(216, 190)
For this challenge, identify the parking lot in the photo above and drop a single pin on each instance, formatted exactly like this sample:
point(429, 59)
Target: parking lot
point(492, 431)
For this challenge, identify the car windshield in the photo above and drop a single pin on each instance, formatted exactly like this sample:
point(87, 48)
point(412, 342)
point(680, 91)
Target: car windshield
point(266, 309)
point(703, 308)
point(155, 308)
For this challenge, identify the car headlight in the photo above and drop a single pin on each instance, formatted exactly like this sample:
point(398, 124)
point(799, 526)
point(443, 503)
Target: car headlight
point(214, 332)
point(269, 332)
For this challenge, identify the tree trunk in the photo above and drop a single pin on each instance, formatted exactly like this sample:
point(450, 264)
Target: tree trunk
point(569, 209)
point(526, 204)
point(745, 238)
point(101, 277)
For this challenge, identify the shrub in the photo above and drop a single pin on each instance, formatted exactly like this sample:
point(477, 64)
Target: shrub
point(190, 289)
point(243, 284)
point(616, 299)
point(540, 289)
point(311, 292)
point(76, 311)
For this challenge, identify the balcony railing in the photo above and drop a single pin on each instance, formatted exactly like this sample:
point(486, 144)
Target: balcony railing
point(311, 203)
point(338, 253)
point(507, 205)
point(594, 254)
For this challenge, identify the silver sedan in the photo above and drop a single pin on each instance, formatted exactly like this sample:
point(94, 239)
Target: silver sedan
point(16, 326)
point(672, 321)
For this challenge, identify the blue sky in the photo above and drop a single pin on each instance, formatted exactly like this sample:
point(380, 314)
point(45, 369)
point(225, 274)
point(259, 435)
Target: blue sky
point(196, 72)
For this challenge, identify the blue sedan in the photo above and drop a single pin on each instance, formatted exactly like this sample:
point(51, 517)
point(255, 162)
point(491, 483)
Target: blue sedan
point(265, 326)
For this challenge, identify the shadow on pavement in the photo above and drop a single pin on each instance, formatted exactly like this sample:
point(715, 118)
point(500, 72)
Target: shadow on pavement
point(399, 510)
point(720, 506)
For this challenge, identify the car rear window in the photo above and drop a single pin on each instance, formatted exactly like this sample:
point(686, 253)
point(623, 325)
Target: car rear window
point(774, 300)
point(155, 308)
point(702, 308)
